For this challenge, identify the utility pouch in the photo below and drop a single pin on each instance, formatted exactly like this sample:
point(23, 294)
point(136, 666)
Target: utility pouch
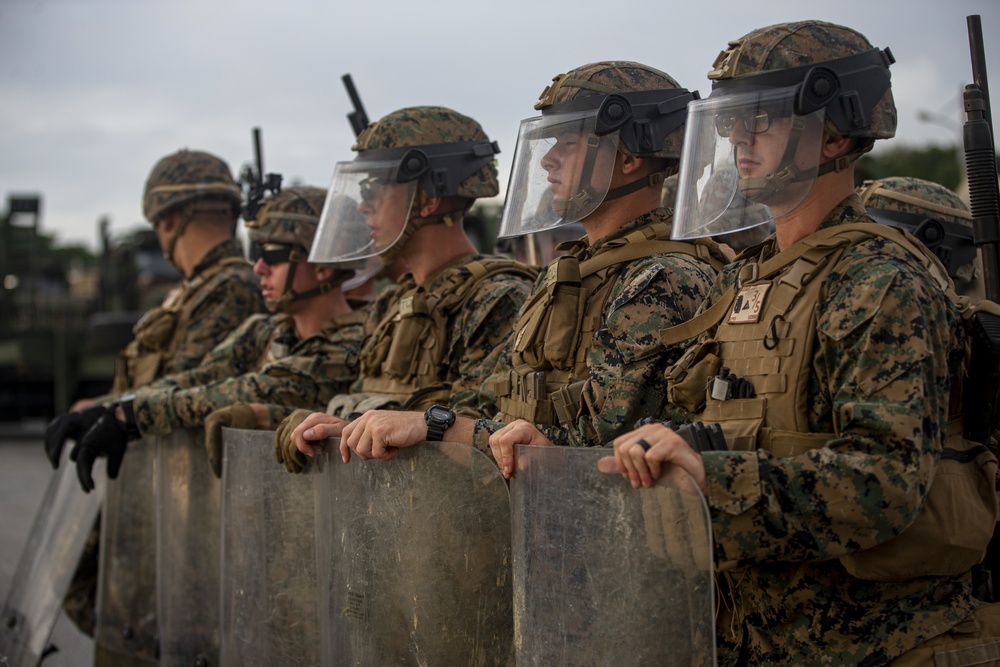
point(687, 380)
point(155, 329)
point(401, 359)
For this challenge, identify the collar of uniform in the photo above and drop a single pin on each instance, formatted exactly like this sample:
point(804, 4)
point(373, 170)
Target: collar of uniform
point(230, 248)
point(656, 215)
point(430, 281)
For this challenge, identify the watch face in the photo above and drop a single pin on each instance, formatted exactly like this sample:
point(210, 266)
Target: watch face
point(439, 414)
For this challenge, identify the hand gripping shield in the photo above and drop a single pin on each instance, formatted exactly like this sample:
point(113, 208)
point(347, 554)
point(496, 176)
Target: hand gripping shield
point(414, 559)
point(47, 564)
point(270, 598)
point(188, 551)
point(602, 570)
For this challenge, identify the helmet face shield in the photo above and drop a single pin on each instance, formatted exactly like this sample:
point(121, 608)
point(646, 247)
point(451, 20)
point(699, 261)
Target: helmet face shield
point(365, 213)
point(561, 174)
point(747, 160)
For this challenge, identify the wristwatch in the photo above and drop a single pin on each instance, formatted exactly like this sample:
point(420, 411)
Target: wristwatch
point(127, 404)
point(439, 419)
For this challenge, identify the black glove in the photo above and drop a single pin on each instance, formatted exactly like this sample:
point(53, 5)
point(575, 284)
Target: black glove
point(108, 437)
point(70, 426)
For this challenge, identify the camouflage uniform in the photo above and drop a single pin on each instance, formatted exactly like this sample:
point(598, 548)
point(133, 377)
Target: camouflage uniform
point(625, 360)
point(854, 357)
point(423, 342)
point(256, 364)
point(586, 361)
point(475, 335)
point(197, 315)
point(779, 523)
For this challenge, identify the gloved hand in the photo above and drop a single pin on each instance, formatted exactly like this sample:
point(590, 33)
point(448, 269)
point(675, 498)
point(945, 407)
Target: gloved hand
point(107, 437)
point(285, 450)
point(70, 426)
point(240, 415)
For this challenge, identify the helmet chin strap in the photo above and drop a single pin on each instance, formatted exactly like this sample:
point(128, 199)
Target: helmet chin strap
point(761, 189)
point(290, 296)
point(588, 198)
point(415, 222)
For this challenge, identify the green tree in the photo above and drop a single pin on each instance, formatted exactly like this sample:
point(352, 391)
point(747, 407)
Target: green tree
point(941, 164)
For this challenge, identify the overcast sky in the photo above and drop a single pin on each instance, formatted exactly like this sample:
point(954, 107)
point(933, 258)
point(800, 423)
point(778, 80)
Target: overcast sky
point(94, 92)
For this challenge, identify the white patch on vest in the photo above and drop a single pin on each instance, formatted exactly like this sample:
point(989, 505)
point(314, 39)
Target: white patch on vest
point(520, 335)
point(406, 306)
point(749, 304)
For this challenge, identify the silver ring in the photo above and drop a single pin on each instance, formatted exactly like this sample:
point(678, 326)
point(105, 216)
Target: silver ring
point(642, 443)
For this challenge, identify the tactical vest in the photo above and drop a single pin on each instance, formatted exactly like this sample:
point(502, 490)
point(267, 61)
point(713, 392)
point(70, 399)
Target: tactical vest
point(160, 333)
point(406, 358)
point(766, 335)
point(556, 328)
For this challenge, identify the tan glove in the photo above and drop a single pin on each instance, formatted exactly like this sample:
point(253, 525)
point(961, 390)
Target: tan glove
point(285, 450)
point(240, 415)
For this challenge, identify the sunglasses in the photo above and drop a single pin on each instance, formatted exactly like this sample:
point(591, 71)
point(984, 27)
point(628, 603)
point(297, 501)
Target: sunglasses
point(754, 121)
point(371, 188)
point(272, 253)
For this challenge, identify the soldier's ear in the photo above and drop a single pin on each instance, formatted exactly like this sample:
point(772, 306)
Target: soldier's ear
point(630, 164)
point(834, 147)
point(430, 206)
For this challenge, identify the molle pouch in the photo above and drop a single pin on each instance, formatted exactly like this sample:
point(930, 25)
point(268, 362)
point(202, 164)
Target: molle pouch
point(146, 367)
point(953, 527)
point(155, 329)
point(687, 380)
point(741, 420)
point(407, 335)
point(565, 313)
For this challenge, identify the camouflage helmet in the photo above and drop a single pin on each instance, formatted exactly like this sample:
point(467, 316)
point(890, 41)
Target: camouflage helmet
point(185, 177)
point(290, 217)
point(931, 212)
point(657, 117)
point(836, 68)
point(447, 152)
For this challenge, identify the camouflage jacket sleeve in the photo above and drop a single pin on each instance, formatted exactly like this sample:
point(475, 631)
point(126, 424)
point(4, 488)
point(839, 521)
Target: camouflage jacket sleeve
point(312, 372)
point(887, 344)
point(235, 296)
point(236, 355)
point(483, 327)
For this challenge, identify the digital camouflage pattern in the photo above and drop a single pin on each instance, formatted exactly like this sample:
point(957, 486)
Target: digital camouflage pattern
point(476, 334)
point(886, 344)
point(626, 360)
point(260, 362)
point(613, 76)
point(291, 217)
point(184, 177)
point(906, 194)
point(222, 303)
point(788, 45)
point(430, 126)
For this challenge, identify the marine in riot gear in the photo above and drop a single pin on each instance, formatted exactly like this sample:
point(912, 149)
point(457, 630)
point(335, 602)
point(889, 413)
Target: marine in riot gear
point(831, 356)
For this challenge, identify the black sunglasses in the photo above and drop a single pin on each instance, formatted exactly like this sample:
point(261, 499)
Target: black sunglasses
point(371, 188)
point(272, 253)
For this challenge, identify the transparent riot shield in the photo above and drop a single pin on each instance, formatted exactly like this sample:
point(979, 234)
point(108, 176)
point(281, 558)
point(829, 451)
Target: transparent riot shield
point(414, 559)
point(188, 551)
point(605, 574)
point(125, 631)
point(270, 600)
point(47, 564)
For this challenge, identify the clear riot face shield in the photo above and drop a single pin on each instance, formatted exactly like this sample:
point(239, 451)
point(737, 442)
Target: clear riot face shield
point(562, 171)
point(366, 210)
point(748, 159)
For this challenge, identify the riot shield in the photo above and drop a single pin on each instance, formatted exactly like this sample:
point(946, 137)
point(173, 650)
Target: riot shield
point(605, 574)
point(125, 632)
point(188, 551)
point(414, 558)
point(270, 602)
point(47, 564)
